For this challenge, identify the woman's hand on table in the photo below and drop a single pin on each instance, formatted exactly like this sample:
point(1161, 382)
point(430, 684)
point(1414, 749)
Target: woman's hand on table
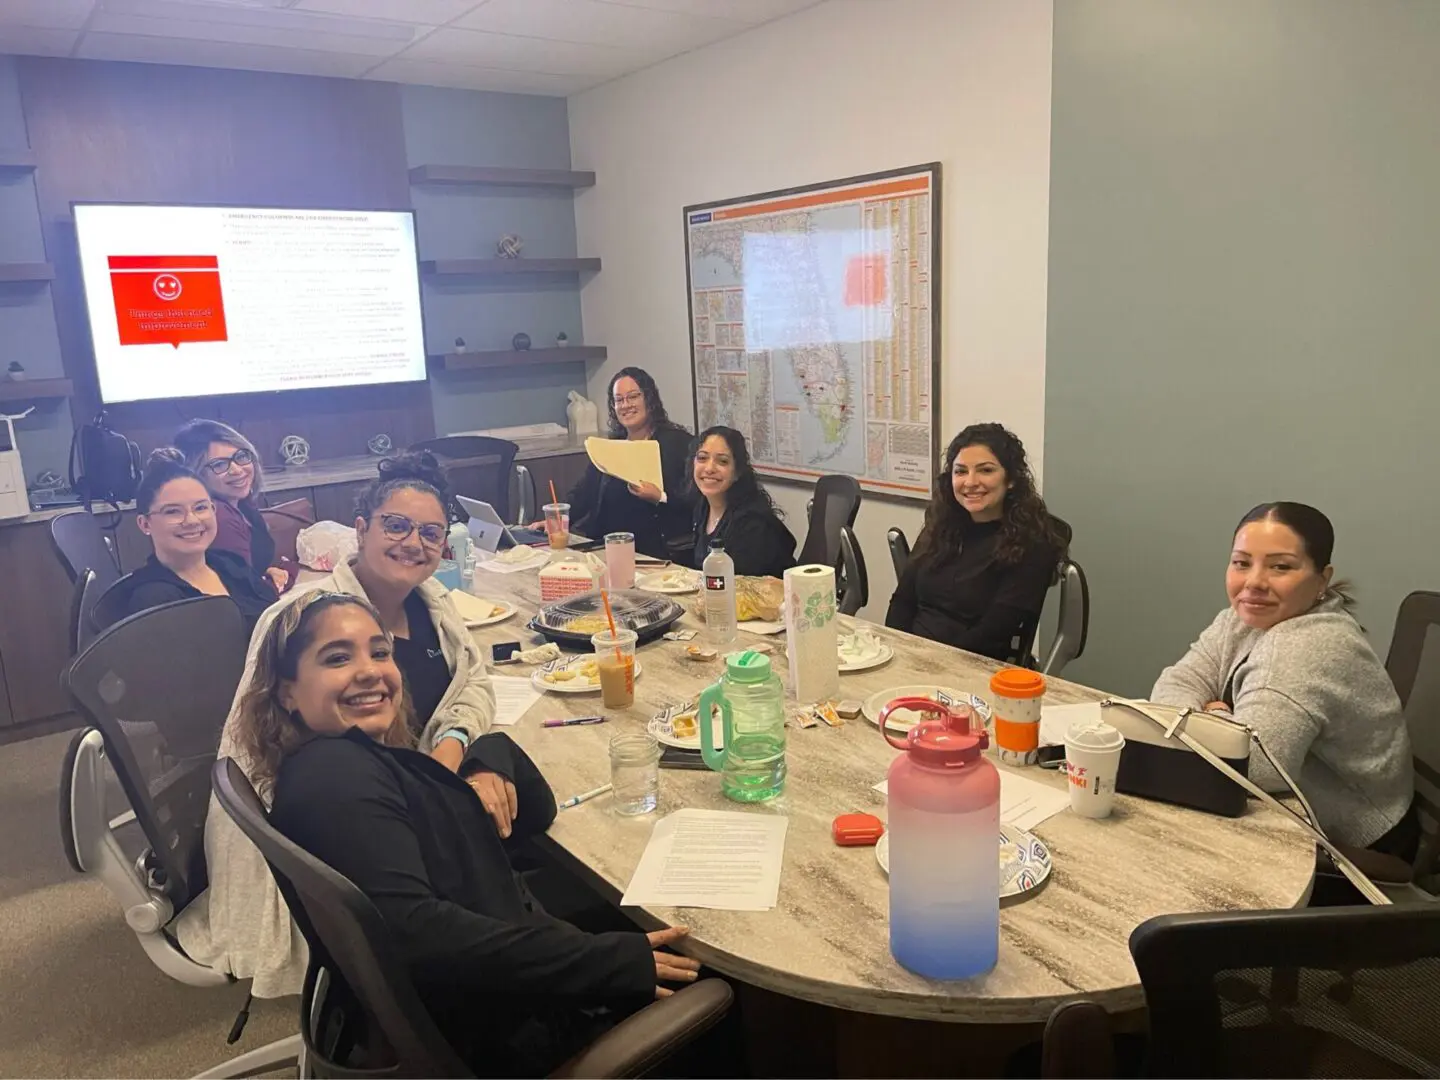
point(668, 966)
point(647, 491)
point(498, 797)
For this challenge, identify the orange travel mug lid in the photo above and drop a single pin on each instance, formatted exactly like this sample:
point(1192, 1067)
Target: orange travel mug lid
point(1017, 683)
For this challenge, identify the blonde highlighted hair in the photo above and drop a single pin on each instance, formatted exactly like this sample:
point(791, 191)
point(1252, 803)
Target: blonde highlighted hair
point(265, 731)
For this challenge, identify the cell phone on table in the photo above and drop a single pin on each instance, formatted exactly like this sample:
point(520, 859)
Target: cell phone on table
point(588, 545)
point(503, 651)
point(674, 757)
point(1050, 757)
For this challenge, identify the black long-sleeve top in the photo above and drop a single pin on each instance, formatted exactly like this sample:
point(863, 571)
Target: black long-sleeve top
point(155, 584)
point(754, 537)
point(601, 504)
point(415, 839)
point(969, 599)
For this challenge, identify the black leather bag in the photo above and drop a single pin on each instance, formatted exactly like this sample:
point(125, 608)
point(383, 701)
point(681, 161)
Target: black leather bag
point(104, 465)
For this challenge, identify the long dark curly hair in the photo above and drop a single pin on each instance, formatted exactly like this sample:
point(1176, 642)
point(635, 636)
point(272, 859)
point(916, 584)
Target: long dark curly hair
point(746, 490)
point(1025, 521)
point(654, 407)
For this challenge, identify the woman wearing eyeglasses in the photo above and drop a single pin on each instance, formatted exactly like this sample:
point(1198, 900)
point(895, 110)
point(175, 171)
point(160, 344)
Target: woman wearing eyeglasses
point(601, 504)
point(177, 513)
point(401, 520)
point(228, 464)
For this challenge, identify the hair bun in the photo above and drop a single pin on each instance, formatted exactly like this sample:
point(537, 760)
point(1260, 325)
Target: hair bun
point(414, 465)
point(164, 455)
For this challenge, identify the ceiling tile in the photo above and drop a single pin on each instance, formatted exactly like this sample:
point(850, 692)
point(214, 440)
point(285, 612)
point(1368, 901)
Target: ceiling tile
point(468, 77)
point(206, 13)
point(230, 33)
point(50, 14)
point(422, 12)
point(746, 11)
point(37, 41)
point(512, 53)
point(594, 23)
point(166, 50)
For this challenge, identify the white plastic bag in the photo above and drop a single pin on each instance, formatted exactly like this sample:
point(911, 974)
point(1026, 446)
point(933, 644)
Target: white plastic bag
point(326, 545)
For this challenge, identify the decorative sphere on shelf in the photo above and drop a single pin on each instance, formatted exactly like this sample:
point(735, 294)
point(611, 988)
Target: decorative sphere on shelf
point(509, 246)
point(294, 450)
point(520, 342)
point(380, 444)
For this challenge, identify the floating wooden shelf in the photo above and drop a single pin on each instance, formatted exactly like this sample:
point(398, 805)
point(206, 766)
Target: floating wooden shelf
point(27, 272)
point(21, 158)
point(493, 358)
point(491, 267)
point(35, 389)
point(495, 177)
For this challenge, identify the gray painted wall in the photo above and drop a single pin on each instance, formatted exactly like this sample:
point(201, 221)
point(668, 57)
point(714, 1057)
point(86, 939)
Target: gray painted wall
point(461, 127)
point(1244, 272)
point(27, 316)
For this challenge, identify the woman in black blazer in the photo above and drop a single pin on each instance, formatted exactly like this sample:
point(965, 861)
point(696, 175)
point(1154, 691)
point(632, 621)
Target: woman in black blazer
point(601, 504)
point(733, 508)
point(178, 514)
point(322, 723)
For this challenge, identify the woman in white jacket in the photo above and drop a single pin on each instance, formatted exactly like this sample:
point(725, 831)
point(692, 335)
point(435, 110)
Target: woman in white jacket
point(240, 924)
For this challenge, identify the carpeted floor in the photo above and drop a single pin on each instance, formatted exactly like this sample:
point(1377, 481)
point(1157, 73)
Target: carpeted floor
point(77, 995)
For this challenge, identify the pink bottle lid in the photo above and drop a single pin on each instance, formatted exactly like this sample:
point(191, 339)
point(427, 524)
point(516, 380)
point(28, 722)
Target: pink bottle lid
point(946, 736)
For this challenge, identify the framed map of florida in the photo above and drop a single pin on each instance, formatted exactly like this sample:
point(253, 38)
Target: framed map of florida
point(815, 326)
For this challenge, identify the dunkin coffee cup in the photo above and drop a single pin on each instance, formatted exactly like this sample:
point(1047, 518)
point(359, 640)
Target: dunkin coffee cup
point(1015, 695)
point(1092, 761)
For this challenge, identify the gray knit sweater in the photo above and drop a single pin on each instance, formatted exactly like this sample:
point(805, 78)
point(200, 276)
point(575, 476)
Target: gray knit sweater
point(1323, 705)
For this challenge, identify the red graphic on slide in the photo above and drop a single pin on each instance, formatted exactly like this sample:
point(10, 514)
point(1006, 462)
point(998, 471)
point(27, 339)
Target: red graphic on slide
point(167, 299)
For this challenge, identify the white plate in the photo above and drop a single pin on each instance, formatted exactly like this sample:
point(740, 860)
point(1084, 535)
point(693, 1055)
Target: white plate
point(879, 700)
point(655, 582)
point(576, 685)
point(883, 655)
point(507, 609)
point(1023, 852)
point(659, 727)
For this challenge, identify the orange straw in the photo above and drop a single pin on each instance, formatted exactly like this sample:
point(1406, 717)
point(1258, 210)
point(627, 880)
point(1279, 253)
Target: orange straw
point(610, 617)
point(553, 497)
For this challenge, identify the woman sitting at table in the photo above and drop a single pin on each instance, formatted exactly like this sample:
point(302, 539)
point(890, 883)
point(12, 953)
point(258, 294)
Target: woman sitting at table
point(230, 467)
point(178, 515)
point(321, 730)
point(987, 552)
point(1288, 659)
point(240, 924)
point(601, 504)
point(735, 509)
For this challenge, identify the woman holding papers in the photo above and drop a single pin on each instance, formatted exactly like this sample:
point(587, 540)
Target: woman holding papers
point(243, 926)
point(735, 509)
point(600, 504)
point(987, 552)
point(321, 728)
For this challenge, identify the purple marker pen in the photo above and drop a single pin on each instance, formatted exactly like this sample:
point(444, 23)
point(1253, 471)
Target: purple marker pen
point(574, 722)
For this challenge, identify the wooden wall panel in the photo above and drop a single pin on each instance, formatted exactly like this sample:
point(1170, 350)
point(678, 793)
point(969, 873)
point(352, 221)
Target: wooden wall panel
point(149, 133)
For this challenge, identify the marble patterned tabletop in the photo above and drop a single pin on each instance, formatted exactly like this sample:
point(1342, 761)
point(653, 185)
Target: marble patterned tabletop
point(827, 940)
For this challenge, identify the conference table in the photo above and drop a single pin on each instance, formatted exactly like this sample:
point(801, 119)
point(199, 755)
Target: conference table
point(826, 942)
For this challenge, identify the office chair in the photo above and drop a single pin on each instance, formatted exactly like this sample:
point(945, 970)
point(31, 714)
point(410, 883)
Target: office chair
point(1072, 625)
point(899, 550)
point(852, 583)
point(286, 521)
point(835, 503)
point(156, 723)
point(82, 543)
point(477, 467)
point(111, 606)
point(1324, 992)
point(1413, 663)
point(82, 608)
point(397, 1037)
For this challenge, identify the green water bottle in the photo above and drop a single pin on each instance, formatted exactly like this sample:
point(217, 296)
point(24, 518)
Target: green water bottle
point(751, 701)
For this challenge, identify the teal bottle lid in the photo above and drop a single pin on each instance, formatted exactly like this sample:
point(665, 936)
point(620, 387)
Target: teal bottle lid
point(748, 666)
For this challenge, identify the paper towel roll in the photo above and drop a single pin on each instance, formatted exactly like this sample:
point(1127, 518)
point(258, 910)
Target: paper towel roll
point(811, 633)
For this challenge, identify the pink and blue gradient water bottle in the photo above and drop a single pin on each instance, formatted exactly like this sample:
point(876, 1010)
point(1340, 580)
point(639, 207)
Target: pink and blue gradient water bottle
point(944, 799)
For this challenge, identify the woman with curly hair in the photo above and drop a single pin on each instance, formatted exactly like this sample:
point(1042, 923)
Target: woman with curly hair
point(601, 504)
point(734, 509)
point(987, 552)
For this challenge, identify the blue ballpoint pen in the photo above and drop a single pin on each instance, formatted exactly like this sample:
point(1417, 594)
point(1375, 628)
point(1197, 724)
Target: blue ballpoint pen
point(574, 721)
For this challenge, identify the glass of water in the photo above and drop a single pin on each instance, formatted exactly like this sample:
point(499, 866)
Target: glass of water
point(635, 773)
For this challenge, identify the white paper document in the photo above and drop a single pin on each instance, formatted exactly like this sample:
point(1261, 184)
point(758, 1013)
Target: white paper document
point(513, 697)
point(1055, 720)
point(711, 859)
point(1024, 803)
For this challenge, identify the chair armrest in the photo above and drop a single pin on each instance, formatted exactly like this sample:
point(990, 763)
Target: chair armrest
point(642, 1041)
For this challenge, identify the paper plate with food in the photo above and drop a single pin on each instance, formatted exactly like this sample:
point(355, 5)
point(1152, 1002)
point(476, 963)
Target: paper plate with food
point(862, 650)
point(676, 726)
point(673, 581)
point(904, 721)
point(1024, 861)
point(477, 611)
point(571, 675)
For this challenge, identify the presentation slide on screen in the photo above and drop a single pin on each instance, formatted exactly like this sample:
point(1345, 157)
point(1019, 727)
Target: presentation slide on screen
point(189, 301)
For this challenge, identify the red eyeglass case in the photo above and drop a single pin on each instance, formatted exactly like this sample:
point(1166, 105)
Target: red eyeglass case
point(857, 830)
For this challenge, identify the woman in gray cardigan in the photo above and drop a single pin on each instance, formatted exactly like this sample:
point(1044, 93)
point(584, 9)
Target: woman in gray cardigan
point(1287, 659)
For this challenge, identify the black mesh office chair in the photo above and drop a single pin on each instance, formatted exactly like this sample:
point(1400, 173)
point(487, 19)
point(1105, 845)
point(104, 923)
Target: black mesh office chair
point(1072, 624)
point(1325, 992)
point(899, 550)
point(1414, 666)
point(835, 502)
point(396, 1035)
point(83, 544)
point(477, 467)
point(852, 584)
point(111, 605)
point(82, 608)
point(156, 722)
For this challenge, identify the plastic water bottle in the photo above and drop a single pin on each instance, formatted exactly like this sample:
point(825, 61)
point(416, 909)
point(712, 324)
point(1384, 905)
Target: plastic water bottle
point(459, 537)
point(752, 715)
point(944, 801)
point(719, 572)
